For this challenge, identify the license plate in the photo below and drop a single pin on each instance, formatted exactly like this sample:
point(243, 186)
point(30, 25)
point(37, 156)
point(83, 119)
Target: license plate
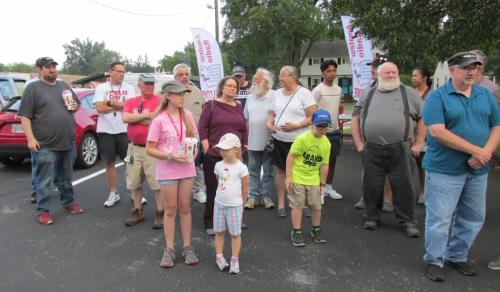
point(17, 128)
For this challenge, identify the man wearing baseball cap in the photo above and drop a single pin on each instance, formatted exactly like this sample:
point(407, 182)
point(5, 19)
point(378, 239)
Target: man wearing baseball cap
point(138, 112)
point(240, 74)
point(463, 122)
point(46, 111)
point(306, 173)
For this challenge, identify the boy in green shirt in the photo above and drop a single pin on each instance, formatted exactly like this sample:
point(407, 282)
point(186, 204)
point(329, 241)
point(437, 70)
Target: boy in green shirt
point(306, 172)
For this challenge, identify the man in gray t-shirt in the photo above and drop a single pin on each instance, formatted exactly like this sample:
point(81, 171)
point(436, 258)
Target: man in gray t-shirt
point(390, 133)
point(46, 111)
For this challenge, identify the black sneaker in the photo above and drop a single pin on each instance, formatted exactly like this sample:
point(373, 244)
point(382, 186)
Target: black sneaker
point(297, 239)
point(435, 273)
point(317, 236)
point(464, 268)
point(33, 198)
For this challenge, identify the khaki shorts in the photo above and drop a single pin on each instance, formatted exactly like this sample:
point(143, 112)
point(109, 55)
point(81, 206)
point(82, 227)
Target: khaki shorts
point(142, 167)
point(301, 196)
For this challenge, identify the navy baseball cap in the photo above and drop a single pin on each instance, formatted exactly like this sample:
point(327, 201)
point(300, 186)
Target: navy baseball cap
point(321, 117)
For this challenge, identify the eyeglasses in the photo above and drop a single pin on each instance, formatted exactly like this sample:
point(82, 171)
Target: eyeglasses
point(139, 107)
point(323, 126)
point(230, 85)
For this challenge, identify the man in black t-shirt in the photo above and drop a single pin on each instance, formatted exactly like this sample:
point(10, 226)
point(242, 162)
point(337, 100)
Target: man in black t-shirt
point(46, 111)
point(240, 75)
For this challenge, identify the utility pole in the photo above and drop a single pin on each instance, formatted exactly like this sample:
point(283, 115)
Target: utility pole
point(216, 4)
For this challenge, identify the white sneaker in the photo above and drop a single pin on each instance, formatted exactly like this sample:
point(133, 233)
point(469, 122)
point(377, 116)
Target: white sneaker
point(143, 200)
point(322, 199)
point(200, 197)
point(330, 192)
point(113, 198)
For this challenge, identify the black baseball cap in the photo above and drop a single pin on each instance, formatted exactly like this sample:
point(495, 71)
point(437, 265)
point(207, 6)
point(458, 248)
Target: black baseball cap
point(44, 62)
point(464, 59)
point(379, 60)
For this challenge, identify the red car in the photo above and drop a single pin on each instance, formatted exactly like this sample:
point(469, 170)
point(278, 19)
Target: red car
point(14, 145)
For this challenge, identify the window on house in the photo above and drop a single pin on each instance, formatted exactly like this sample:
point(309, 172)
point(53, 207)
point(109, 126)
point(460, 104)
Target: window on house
point(315, 61)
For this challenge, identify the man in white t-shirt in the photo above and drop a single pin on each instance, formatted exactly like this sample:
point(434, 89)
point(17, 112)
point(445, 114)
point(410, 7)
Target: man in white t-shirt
point(328, 96)
point(257, 108)
point(109, 99)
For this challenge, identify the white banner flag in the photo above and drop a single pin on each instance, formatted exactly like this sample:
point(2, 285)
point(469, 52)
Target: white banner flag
point(210, 63)
point(360, 53)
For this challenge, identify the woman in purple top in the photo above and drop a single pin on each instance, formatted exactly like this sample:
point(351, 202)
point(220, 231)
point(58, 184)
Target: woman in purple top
point(221, 116)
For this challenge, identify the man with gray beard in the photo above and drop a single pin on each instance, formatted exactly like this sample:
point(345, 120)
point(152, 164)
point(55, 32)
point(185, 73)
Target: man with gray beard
point(257, 107)
point(390, 133)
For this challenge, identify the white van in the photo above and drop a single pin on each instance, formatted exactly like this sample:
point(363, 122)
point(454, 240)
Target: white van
point(133, 79)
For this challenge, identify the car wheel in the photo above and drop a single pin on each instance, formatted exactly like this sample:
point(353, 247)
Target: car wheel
point(11, 161)
point(88, 152)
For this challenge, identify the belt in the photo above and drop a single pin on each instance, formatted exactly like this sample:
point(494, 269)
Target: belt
point(386, 145)
point(139, 145)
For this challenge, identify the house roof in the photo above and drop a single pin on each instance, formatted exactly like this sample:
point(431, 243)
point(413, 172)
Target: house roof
point(335, 48)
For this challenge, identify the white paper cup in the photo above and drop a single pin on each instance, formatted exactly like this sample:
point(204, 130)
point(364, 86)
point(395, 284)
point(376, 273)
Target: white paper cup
point(191, 144)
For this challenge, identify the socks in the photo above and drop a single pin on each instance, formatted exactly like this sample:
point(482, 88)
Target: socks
point(234, 259)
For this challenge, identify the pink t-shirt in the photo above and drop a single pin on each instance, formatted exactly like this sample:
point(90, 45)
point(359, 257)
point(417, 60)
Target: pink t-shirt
point(138, 132)
point(166, 135)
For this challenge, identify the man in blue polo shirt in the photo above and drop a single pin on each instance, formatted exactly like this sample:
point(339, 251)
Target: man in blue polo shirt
point(463, 122)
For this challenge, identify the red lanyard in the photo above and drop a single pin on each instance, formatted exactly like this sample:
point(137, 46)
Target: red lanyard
point(179, 134)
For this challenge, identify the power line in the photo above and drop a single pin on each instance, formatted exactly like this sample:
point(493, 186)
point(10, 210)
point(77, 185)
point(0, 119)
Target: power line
point(142, 14)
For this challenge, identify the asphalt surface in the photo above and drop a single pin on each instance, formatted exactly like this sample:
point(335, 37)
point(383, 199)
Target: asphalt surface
point(94, 251)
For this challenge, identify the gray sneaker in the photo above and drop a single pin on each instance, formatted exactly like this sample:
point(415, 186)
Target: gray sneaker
point(297, 239)
point(189, 256)
point(317, 236)
point(251, 203)
point(494, 264)
point(235, 267)
point(388, 207)
point(267, 202)
point(221, 263)
point(282, 212)
point(360, 205)
point(167, 261)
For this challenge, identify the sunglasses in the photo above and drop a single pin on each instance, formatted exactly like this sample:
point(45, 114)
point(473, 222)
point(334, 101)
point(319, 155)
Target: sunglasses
point(323, 126)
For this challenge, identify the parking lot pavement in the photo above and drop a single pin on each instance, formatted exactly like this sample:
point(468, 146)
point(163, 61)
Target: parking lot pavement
point(94, 251)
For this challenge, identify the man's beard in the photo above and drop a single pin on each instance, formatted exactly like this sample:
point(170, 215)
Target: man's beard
point(49, 78)
point(258, 90)
point(388, 85)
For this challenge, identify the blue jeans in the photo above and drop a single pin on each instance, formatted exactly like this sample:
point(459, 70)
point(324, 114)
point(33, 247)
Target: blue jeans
point(33, 174)
point(54, 166)
point(260, 186)
point(455, 212)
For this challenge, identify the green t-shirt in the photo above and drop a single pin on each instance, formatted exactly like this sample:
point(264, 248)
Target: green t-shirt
point(310, 153)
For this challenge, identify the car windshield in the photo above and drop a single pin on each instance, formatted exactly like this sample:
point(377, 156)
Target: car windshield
point(12, 106)
point(5, 89)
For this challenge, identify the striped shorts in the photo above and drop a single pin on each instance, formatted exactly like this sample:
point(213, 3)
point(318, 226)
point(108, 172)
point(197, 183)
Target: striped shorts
point(229, 218)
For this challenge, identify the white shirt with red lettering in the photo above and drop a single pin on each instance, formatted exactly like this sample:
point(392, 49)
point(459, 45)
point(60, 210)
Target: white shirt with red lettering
point(112, 123)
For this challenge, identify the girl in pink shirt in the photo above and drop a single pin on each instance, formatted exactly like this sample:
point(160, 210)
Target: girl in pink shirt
point(175, 173)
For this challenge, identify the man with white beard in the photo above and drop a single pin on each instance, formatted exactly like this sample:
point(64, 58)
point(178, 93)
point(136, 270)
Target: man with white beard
point(390, 133)
point(259, 103)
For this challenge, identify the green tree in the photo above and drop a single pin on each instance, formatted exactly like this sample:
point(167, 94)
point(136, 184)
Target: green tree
point(187, 56)
point(18, 67)
point(272, 33)
point(140, 65)
point(423, 32)
point(87, 57)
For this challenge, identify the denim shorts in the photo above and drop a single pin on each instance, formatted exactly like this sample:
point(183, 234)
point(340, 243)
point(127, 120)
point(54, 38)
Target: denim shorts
point(172, 181)
point(226, 217)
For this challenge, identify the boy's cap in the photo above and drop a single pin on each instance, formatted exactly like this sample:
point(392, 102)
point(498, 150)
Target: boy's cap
point(321, 117)
point(146, 77)
point(44, 62)
point(238, 70)
point(174, 86)
point(228, 141)
point(464, 59)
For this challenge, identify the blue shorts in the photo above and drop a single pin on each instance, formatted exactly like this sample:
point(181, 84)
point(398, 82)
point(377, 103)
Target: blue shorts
point(229, 217)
